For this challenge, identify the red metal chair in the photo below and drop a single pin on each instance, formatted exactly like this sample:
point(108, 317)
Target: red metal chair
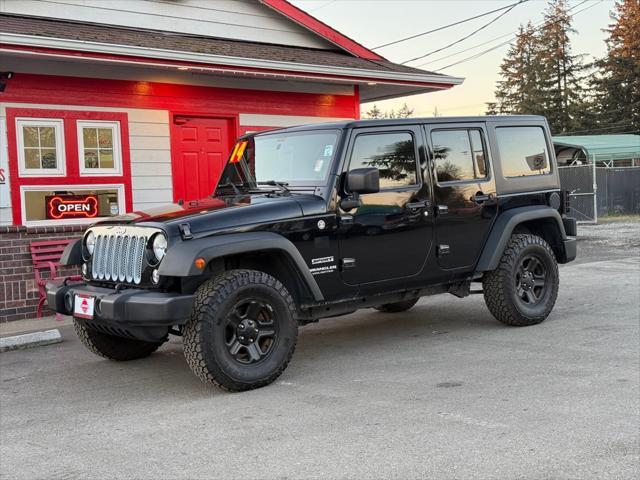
point(46, 258)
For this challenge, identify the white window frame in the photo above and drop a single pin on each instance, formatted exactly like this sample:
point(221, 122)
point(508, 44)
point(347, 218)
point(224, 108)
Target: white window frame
point(117, 148)
point(58, 125)
point(71, 221)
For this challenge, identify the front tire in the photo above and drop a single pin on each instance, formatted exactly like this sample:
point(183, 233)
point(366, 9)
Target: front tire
point(242, 331)
point(120, 349)
point(523, 289)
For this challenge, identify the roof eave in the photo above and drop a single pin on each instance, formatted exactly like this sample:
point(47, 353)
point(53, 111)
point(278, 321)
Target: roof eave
point(79, 50)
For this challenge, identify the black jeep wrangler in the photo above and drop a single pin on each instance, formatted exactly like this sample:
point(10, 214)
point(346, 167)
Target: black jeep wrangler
point(319, 221)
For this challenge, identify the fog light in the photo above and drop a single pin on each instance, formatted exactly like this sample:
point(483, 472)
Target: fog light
point(155, 276)
point(84, 269)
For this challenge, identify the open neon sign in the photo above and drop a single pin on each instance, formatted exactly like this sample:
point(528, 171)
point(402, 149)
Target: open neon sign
point(71, 206)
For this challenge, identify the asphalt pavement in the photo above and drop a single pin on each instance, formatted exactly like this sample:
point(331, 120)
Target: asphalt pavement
point(442, 391)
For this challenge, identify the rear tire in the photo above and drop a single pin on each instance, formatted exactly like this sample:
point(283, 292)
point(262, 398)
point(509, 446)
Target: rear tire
point(397, 307)
point(120, 349)
point(522, 291)
point(242, 331)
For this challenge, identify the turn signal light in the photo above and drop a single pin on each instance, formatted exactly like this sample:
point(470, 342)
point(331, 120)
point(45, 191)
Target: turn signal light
point(200, 263)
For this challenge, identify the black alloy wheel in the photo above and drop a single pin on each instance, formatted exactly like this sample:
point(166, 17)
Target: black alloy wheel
point(250, 331)
point(531, 280)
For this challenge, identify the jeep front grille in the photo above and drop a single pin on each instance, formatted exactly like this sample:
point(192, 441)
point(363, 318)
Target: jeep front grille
point(119, 256)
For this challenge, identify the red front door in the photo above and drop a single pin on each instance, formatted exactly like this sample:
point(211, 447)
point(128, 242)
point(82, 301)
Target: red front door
point(200, 148)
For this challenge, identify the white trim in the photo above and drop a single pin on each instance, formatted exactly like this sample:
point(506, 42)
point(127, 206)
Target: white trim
point(58, 126)
point(73, 221)
point(116, 148)
point(259, 120)
point(163, 54)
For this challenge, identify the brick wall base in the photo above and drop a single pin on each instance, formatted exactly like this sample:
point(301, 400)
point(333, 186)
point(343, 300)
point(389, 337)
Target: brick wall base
point(18, 290)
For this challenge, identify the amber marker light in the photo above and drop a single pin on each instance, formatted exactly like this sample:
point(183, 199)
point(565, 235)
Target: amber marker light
point(200, 263)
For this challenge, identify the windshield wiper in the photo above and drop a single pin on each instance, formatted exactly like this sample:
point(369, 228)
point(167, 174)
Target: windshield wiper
point(281, 185)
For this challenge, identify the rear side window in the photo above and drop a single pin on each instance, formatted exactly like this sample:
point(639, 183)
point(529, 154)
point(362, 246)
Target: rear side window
point(394, 154)
point(459, 155)
point(523, 151)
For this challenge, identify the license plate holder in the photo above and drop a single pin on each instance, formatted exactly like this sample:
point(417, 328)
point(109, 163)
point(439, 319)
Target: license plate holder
point(83, 306)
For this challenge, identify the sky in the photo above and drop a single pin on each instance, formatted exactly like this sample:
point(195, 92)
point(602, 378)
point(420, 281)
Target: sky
point(376, 22)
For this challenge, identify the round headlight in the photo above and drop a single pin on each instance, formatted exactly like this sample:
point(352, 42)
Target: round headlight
point(90, 242)
point(159, 246)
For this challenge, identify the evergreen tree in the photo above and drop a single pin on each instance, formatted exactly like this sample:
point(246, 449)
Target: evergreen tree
point(618, 83)
point(559, 74)
point(519, 90)
point(373, 112)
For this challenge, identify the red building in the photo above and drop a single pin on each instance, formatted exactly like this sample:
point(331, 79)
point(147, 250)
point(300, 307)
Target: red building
point(111, 107)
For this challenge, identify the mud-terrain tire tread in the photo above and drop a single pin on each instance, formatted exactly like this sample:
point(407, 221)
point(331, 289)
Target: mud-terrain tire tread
point(120, 349)
point(397, 307)
point(497, 286)
point(208, 299)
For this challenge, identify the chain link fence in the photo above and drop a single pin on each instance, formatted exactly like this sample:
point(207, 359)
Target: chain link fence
point(598, 191)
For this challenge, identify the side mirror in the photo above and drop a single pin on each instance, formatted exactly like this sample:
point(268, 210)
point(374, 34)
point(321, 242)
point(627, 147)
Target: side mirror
point(363, 180)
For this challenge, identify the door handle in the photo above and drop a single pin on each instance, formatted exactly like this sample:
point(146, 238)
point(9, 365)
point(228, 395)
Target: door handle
point(480, 197)
point(418, 205)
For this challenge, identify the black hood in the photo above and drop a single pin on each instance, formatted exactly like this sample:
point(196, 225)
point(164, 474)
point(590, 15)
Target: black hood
point(220, 213)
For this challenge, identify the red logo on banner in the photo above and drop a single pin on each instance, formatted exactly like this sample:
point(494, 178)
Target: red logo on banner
point(71, 206)
point(84, 305)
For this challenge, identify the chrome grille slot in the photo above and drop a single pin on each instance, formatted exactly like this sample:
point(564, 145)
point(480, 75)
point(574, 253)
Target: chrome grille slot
point(120, 257)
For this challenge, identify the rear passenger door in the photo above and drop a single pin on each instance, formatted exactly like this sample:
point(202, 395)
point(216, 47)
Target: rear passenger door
point(465, 192)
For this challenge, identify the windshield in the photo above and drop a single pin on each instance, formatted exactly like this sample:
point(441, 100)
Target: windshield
point(290, 158)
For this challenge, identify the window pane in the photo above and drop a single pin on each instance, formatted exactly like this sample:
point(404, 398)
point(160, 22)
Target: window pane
point(30, 136)
point(91, 158)
point(36, 203)
point(31, 158)
point(48, 158)
point(105, 138)
point(523, 151)
point(106, 158)
point(453, 156)
point(392, 153)
point(90, 137)
point(47, 137)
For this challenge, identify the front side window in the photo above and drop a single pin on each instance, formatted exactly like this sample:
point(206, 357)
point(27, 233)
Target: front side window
point(459, 155)
point(40, 147)
point(393, 154)
point(523, 151)
point(294, 158)
point(99, 148)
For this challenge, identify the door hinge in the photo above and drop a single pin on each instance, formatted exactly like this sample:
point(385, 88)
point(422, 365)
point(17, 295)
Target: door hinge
point(443, 249)
point(348, 263)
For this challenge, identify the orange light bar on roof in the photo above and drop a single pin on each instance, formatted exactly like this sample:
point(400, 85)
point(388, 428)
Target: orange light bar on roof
point(238, 152)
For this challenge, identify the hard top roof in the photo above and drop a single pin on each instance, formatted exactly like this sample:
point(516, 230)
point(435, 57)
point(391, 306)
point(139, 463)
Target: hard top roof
point(387, 122)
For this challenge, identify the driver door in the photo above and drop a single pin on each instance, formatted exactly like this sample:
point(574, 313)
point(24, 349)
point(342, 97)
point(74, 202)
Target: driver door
point(389, 235)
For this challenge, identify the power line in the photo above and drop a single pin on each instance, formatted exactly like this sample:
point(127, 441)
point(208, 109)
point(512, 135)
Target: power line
point(484, 52)
point(444, 27)
point(467, 36)
point(490, 41)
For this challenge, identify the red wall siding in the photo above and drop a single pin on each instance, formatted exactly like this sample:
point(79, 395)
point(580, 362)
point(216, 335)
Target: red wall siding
point(30, 88)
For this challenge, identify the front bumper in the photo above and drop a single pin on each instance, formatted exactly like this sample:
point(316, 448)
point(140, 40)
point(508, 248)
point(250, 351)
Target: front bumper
point(123, 308)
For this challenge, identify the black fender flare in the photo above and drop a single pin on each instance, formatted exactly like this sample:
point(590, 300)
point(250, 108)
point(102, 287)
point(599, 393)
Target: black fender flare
point(72, 253)
point(180, 257)
point(503, 228)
